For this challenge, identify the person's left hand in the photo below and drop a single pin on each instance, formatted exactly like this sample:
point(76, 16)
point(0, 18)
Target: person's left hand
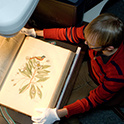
point(47, 116)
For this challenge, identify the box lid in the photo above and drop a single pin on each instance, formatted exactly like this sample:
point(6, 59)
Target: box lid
point(14, 14)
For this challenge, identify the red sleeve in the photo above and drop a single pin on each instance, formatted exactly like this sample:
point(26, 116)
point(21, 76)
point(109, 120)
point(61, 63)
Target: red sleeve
point(72, 34)
point(96, 97)
point(77, 107)
point(85, 104)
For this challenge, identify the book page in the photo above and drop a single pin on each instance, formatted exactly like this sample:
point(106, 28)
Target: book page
point(8, 49)
point(36, 77)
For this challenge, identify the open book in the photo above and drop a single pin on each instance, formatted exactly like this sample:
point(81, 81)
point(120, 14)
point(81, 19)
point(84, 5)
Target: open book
point(34, 77)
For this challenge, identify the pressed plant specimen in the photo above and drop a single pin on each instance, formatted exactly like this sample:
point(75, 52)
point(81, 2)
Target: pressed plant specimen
point(34, 71)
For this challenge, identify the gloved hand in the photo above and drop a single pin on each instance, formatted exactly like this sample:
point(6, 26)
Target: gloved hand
point(47, 116)
point(29, 32)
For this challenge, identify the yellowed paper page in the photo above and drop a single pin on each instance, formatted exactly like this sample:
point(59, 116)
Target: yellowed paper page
point(36, 77)
point(8, 49)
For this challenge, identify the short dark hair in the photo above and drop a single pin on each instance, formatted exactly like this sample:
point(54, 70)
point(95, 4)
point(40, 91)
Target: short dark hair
point(106, 29)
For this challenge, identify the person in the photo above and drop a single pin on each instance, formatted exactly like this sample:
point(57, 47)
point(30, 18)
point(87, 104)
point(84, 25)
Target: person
point(104, 37)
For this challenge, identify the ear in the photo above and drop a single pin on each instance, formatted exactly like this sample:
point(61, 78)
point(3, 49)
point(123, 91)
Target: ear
point(110, 48)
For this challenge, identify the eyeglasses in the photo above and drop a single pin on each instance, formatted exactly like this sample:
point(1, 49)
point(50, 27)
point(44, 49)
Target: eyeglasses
point(95, 47)
point(100, 47)
point(92, 47)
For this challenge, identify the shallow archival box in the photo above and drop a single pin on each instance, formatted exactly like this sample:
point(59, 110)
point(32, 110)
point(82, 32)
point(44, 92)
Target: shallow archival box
point(34, 73)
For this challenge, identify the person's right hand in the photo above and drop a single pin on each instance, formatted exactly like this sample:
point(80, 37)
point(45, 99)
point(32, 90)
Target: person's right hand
point(46, 116)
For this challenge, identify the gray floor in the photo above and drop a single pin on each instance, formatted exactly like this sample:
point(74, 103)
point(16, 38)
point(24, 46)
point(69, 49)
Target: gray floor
point(94, 12)
point(101, 116)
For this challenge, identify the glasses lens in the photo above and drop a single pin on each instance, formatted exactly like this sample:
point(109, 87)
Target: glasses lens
point(95, 47)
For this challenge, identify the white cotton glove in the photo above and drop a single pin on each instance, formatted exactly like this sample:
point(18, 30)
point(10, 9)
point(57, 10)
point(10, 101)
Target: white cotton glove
point(29, 32)
point(46, 116)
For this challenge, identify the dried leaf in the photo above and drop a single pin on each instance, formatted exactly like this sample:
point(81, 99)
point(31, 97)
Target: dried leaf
point(41, 75)
point(39, 92)
point(23, 88)
point(45, 66)
point(42, 79)
point(24, 73)
point(34, 60)
point(32, 91)
point(30, 64)
point(43, 71)
point(28, 69)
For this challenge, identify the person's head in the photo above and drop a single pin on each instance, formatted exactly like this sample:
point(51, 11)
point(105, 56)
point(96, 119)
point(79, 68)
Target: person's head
point(104, 31)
